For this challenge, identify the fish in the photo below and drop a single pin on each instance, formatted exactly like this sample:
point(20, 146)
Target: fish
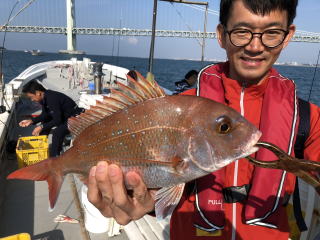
point(168, 139)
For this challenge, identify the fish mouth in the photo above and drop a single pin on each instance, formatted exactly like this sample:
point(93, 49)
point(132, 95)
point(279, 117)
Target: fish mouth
point(251, 146)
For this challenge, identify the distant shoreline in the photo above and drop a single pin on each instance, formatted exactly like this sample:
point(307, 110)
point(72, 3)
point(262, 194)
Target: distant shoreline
point(291, 64)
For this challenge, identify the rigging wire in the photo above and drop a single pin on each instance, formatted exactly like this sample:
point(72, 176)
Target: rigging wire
point(10, 19)
point(23, 8)
point(119, 38)
point(210, 11)
point(5, 34)
point(314, 76)
point(2, 52)
point(214, 12)
point(185, 22)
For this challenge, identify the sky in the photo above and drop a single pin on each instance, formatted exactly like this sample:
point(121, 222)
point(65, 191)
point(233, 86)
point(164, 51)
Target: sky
point(138, 14)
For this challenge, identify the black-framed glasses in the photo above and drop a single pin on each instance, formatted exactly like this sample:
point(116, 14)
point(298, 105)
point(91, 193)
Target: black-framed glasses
point(270, 38)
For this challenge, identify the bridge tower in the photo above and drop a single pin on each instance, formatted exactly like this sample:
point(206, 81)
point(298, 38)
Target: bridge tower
point(71, 37)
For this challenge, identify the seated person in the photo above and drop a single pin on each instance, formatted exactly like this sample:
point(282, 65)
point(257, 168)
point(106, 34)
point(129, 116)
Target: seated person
point(189, 80)
point(56, 109)
point(133, 74)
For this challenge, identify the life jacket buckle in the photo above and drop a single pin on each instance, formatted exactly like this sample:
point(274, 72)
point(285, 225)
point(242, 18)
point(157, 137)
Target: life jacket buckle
point(236, 193)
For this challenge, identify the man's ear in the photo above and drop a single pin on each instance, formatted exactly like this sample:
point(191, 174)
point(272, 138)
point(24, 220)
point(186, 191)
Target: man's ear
point(221, 36)
point(292, 30)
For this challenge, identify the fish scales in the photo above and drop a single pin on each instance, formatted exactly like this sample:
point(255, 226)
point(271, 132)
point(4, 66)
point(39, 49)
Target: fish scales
point(130, 139)
point(168, 140)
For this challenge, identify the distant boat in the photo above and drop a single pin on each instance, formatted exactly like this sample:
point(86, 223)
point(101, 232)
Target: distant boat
point(36, 52)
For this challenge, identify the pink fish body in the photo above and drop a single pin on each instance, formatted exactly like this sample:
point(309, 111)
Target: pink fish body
point(168, 140)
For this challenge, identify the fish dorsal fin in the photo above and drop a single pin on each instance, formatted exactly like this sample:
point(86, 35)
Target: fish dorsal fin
point(136, 91)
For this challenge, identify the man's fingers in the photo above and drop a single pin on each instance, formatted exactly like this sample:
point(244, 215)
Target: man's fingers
point(140, 191)
point(103, 183)
point(107, 191)
point(138, 187)
point(120, 194)
point(94, 195)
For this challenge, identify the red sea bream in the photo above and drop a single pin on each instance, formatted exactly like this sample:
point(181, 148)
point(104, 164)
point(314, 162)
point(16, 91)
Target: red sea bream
point(168, 140)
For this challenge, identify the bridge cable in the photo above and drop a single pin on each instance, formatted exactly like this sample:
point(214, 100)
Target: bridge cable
point(314, 76)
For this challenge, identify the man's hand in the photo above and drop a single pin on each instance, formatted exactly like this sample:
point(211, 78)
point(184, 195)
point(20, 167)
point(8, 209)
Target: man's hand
point(36, 131)
point(107, 192)
point(25, 123)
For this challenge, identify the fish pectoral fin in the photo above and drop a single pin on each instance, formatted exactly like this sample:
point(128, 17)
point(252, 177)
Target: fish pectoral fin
point(167, 199)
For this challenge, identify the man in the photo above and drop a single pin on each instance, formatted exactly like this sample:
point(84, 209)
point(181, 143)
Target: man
point(56, 109)
point(188, 82)
point(239, 201)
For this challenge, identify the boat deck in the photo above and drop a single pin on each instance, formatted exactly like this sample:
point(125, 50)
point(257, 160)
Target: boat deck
point(24, 204)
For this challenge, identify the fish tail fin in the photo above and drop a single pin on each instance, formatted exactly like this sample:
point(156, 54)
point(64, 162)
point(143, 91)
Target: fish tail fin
point(42, 172)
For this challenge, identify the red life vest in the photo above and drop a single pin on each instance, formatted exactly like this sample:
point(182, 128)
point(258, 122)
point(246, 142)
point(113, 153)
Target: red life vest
point(279, 122)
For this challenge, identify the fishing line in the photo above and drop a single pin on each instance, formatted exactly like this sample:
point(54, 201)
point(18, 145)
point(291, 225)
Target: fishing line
point(314, 76)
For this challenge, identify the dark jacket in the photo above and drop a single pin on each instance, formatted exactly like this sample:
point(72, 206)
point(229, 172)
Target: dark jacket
point(181, 86)
point(56, 109)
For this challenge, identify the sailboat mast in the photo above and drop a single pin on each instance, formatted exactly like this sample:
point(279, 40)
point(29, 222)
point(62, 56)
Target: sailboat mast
point(154, 20)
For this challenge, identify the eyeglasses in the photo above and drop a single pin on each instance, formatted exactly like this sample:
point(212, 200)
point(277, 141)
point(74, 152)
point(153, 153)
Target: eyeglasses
point(270, 38)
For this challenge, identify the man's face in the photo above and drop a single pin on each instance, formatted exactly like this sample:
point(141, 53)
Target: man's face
point(36, 97)
point(250, 64)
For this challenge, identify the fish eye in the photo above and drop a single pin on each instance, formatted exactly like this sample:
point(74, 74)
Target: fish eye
point(223, 125)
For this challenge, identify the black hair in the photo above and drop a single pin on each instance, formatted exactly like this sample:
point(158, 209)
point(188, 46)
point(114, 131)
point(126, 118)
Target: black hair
point(190, 73)
point(260, 7)
point(32, 87)
point(133, 74)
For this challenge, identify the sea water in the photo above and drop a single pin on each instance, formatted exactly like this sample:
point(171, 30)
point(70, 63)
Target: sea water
point(166, 71)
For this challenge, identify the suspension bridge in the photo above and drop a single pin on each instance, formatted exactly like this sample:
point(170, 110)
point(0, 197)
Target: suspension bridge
point(128, 28)
point(299, 37)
